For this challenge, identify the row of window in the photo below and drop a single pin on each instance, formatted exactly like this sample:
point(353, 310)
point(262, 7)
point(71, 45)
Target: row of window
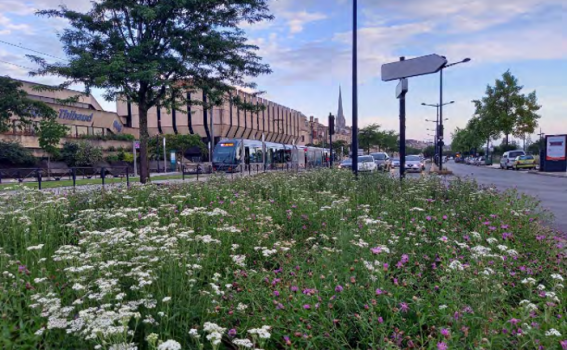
point(73, 130)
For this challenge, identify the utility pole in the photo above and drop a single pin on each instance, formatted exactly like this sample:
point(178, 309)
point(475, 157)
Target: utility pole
point(354, 146)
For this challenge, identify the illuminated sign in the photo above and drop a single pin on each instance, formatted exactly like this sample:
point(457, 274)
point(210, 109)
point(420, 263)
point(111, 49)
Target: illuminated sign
point(556, 147)
point(227, 144)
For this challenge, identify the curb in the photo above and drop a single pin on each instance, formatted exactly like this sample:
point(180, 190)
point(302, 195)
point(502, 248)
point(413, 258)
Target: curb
point(547, 174)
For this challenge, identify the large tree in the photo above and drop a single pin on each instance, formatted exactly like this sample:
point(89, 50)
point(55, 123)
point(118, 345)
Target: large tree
point(511, 111)
point(152, 52)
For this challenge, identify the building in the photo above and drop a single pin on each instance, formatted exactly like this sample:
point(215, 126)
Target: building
point(340, 125)
point(87, 119)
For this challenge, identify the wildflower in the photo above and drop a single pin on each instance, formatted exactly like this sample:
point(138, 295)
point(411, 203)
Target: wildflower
point(193, 333)
point(445, 332)
point(37, 247)
point(169, 345)
point(241, 307)
point(276, 293)
point(442, 307)
point(443, 239)
point(306, 306)
point(514, 321)
point(246, 343)
point(380, 319)
point(379, 291)
point(557, 277)
point(563, 344)
point(404, 307)
point(338, 288)
point(552, 333)
point(442, 346)
point(166, 299)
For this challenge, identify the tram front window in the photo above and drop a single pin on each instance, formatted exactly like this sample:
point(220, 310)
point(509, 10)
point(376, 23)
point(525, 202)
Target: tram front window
point(224, 154)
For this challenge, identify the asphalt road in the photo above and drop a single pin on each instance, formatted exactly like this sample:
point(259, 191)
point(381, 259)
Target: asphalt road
point(551, 191)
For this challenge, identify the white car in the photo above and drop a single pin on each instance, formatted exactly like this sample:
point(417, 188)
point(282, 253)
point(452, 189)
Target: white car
point(414, 163)
point(366, 163)
point(508, 160)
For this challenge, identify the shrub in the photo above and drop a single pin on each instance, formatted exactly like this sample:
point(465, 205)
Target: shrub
point(81, 153)
point(15, 154)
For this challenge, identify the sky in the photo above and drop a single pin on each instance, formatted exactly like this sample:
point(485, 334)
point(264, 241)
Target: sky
point(309, 48)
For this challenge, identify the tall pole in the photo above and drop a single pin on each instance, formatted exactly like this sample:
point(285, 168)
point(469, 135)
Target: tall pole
point(437, 129)
point(402, 132)
point(164, 157)
point(135, 156)
point(440, 133)
point(354, 88)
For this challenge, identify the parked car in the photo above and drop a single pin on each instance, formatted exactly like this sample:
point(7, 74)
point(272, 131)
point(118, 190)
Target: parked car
point(524, 162)
point(382, 160)
point(479, 161)
point(508, 159)
point(414, 163)
point(346, 164)
point(366, 163)
point(395, 163)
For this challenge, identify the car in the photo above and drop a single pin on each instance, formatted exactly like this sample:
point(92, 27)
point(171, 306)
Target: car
point(366, 163)
point(395, 163)
point(346, 164)
point(414, 163)
point(479, 161)
point(382, 160)
point(508, 159)
point(524, 162)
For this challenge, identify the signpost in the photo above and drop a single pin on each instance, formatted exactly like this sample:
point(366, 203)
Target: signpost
point(402, 70)
point(555, 153)
point(412, 68)
point(135, 147)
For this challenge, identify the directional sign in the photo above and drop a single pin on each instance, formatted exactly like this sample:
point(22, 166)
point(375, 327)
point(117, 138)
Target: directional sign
point(402, 88)
point(414, 67)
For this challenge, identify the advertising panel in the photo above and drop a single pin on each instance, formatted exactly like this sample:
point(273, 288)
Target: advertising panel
point(556, 147)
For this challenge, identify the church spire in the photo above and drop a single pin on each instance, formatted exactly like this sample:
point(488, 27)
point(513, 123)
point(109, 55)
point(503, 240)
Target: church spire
point(341, 122)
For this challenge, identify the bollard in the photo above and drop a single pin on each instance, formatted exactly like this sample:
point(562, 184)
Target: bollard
point(20, 177)
point(102, 175)
point(257, 168)
point(127, 177)
point(198, 171)
point(74, 174)
point(38, 172)
point(183, 173)
point(249, 169)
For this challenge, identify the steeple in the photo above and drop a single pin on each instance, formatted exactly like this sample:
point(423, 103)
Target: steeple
point(341, 122)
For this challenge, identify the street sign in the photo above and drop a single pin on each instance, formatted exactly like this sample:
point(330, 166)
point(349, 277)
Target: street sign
point(414, 67)
point(172, 157)
point(137, 144)
point(402, 88)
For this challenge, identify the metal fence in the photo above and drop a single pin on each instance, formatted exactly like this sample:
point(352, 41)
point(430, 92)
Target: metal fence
point(77, 176)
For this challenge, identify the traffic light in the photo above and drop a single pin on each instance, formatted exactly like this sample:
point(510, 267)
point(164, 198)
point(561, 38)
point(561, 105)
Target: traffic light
point(331, 124)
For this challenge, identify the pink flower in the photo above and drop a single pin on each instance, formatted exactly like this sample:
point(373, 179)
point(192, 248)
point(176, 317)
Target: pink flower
point(276, 293)
point(339, 288)
point(445, 332)
point(442, 346)
point(379, 291)
point(563, 344)
point(307, 306)
point(514, 321)
point(376, 250)
point(404, 307)
point(380, 319)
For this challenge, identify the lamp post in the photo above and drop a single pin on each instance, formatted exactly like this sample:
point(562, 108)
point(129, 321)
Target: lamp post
point(354, 147)
point(441, 107)
point(437, 106)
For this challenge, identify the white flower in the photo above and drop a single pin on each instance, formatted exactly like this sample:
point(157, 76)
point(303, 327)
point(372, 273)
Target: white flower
point(476, 235)
point(194, 333)
point(442, 307)
point(552, 332)
point(557, 276)
point(166, 299)
point(169, 345)
point(541, 287)
point(246, 343)
point(456, 265)
point(529, 281)
point(37, 247)
point(502, 247)
point(241, 307)
point(491, 240)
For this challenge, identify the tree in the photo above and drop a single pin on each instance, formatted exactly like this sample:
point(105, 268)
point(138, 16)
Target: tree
point(15, 154)
point(341, 146)
point(513, 113)
point(181, 143)
point(153, 52)
point(49, 134)
point(368, 137)
point(81, 153)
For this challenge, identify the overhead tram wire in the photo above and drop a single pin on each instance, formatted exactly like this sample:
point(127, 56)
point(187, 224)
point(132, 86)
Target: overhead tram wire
point(17, 65)
point(31, 50)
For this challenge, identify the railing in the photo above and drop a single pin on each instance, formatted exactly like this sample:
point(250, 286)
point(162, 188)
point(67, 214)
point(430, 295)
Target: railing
point(42, 178)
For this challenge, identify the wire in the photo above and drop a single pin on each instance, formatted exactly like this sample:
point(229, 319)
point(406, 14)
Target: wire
point(17, 65)
point(32, 50)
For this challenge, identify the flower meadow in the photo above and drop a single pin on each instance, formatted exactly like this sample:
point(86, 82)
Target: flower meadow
point(281, 261)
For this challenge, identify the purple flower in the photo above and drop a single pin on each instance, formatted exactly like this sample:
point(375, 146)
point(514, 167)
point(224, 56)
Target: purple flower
point(279, 306)
point(442, 346)
point(444, 332)
point(380, 319)
point(22, 268)
point(232, 332)
point(294, 288)
point(276, 293)
point(444, 217)
point(379, 291)
point(563, 344)
point(514, 321)
point(307, 306)
point(405, 258)
point(428, 218)
point(404, 307)
point(376, 250)
point(339, 288)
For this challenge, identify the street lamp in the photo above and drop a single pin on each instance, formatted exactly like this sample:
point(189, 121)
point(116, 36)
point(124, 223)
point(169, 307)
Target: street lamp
point(354, 145)
point(437, 121)
point(441, 107)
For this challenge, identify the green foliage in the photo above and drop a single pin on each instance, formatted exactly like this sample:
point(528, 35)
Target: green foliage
point(371, 136)
point(109, 137)
point(429, 151)
point(81, 154)
point(15, 103)
point(50, 132)
point(152, 53)
point(15, 154)
point(326, 262)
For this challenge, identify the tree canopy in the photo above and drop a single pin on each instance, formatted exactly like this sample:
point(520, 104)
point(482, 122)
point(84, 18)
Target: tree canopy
point(154, 52)
point(372, 136)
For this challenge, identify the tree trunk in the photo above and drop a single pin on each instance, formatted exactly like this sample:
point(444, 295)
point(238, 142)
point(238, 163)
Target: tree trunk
point(506, 139)
point(144, 136)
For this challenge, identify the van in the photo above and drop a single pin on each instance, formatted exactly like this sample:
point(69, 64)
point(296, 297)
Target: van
point(509, 158)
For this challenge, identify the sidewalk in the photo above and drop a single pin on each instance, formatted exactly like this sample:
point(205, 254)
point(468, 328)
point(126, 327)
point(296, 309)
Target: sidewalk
point(542, 173)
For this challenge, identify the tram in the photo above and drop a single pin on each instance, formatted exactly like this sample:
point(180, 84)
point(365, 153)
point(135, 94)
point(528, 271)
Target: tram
point(242, 154)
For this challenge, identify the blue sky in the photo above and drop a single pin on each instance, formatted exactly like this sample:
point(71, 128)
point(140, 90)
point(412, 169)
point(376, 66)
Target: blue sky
point(308, 46)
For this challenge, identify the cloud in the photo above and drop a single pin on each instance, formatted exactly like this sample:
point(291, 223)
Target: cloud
point(7, 26)
point(298, 20)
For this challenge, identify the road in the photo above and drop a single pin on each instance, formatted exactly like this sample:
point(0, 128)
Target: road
point(551, 191)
